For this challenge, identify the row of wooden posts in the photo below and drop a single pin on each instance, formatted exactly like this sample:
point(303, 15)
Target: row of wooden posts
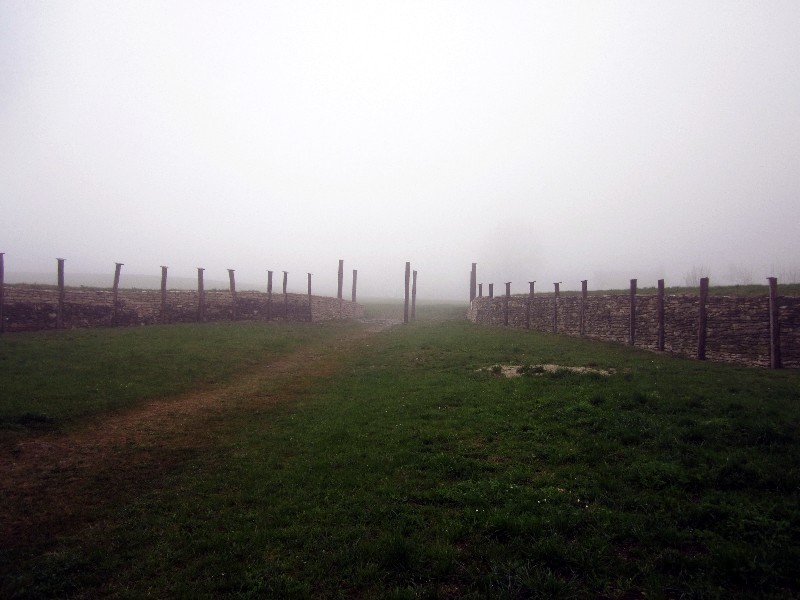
point(201, 308)
point(702, 319)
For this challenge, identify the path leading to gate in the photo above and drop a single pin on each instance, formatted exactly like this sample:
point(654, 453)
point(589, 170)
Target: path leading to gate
point(57, 482)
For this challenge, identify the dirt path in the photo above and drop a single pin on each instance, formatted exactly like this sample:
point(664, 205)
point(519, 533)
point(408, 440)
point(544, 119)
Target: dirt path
point(53, 483)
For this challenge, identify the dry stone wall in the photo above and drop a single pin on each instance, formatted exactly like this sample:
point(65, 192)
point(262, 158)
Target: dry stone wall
point(737, 328)
point(30, 308)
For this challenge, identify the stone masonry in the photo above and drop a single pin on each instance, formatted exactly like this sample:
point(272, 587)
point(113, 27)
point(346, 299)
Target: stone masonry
point(737, 329)
point(34, 308)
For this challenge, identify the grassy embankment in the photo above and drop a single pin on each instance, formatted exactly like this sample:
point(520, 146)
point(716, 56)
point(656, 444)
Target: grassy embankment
point(410, 473)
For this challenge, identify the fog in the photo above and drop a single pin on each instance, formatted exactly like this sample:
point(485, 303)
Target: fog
point(548, 141)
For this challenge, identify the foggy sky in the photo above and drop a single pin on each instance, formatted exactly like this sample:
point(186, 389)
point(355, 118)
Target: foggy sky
point(554, 141)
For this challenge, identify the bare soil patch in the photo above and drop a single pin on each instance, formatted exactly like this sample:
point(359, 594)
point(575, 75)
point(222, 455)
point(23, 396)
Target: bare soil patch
point(520, 370)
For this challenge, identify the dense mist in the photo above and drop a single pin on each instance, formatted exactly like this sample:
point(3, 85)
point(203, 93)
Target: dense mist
point(548, 141)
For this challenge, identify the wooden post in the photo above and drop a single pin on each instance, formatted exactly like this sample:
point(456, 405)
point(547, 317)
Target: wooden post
point(473, 278)
point(2, 294)
point(660, 316)
point(584, 294)
point(115, 292)
point(164, 318)
point(310, 312)
point(405, 305)
point(341, 279)
point(702, 320)
point(232, 279)
point(480, 290)
point(269, 295)
point(529, 304)
point(491, 291)
point(505, 303)
point(355, 280)
point(555, 306)
point(632, 325)
point(285, 295)
point(201, 296)
point(414, 296)
point(774, 325)
point(60, 309)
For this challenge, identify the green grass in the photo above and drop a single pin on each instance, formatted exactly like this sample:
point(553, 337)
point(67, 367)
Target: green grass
point(51, 378)
point(411, 474)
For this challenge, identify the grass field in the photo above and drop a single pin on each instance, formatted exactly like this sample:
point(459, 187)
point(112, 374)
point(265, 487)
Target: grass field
point(308, 461)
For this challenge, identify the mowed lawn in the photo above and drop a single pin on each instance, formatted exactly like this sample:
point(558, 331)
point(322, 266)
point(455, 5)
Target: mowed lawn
point(414, 470)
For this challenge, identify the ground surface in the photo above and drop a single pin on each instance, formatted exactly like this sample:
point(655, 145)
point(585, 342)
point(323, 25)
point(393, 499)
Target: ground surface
point(54, 482)
point(369, 461)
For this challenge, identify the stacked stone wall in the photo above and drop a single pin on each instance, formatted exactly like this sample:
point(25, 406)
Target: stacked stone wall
point(30, 308)
point(789, 325)
point(737, 328)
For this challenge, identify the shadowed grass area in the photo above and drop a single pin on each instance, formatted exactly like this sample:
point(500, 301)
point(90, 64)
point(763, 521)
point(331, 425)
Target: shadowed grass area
point(412, 474)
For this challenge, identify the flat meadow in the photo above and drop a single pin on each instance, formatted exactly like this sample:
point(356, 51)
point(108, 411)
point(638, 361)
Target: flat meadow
point(345, 460)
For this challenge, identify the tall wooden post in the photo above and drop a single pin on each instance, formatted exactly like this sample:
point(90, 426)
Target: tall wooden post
point(310, 312)
point(405, 304)
point(529, 305)
point(660, 337)
point(473, 279)
point(2, 294)
point(584, 295)
point(115, 292)
point(774, 325)
point(164, 318)
point(632, 324)
point(285, 295)
point(201, 296)
point(491, 291)
point(269, 295)
point(702, 319)
point(60, 309)
point(556, 296)
point(355, 280)
point(505, 303)
point(341, 279)
point(232, 279)
point(480, 290)
point(414, 296)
